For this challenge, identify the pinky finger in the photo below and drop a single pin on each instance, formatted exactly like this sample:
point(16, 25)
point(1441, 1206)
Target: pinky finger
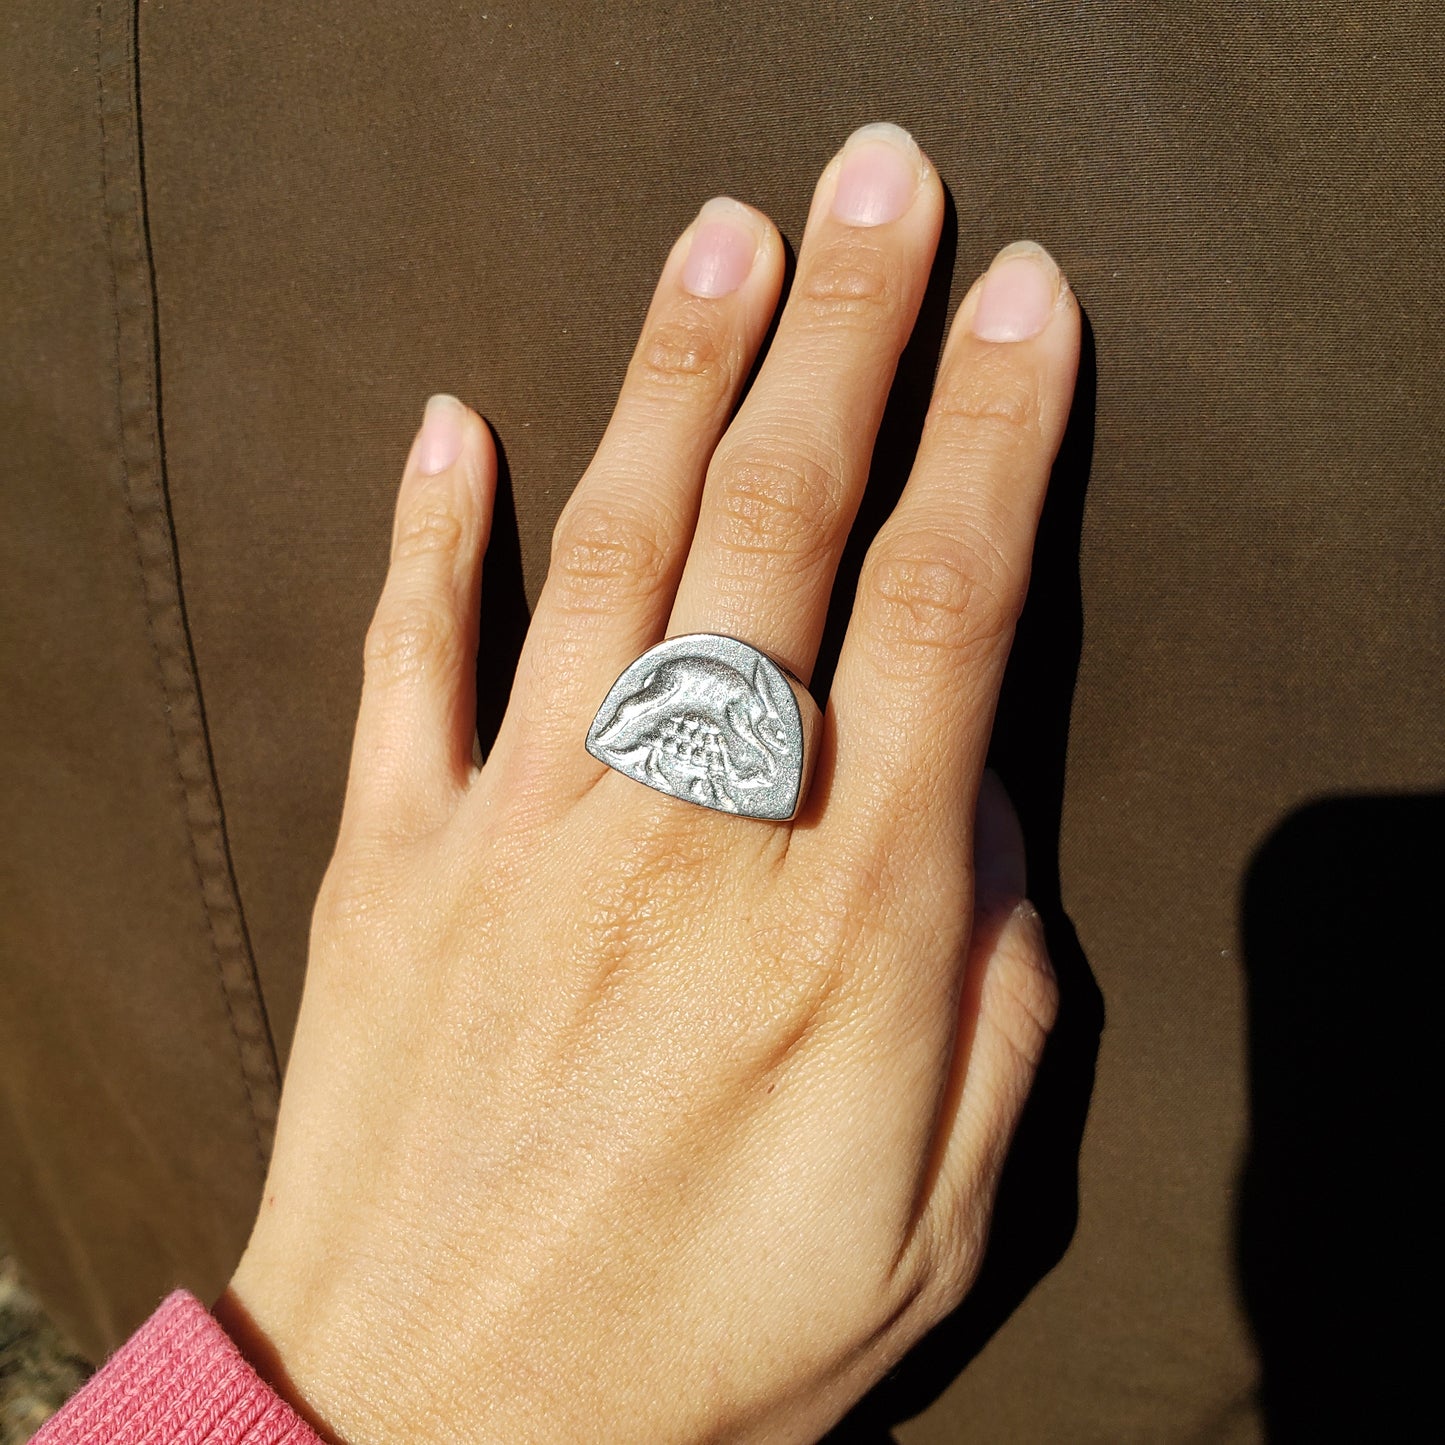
point(412, 754)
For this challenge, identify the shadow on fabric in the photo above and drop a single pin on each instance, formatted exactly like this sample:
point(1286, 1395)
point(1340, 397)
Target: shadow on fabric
point(504, 610)
point(1037, 1207)
point(1340, 922)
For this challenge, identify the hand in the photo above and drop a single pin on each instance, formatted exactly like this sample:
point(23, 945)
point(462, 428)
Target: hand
point(614, 1118)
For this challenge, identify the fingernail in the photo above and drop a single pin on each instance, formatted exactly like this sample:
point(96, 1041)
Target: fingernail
point(439, 443)
point(999, 875)
point(722, 251)
point(879, 178)
point(1020, 290)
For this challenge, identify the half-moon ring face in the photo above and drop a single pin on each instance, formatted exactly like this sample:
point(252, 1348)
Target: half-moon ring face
point(710, 720)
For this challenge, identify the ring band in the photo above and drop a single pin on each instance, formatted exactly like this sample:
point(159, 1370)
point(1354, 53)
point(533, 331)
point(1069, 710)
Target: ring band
point(713, 721)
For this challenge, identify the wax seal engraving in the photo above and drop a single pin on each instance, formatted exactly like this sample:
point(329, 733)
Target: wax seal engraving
point(708, 719)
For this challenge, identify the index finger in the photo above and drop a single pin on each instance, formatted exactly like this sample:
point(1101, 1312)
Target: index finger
point(944, 580)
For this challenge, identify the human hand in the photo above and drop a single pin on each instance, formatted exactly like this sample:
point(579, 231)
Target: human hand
point(613, 1118)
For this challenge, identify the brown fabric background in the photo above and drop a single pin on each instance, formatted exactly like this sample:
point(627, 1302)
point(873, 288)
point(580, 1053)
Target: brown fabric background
point(241, 245)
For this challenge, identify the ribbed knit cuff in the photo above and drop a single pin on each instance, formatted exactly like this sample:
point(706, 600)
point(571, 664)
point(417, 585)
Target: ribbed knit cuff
point(178, 1380)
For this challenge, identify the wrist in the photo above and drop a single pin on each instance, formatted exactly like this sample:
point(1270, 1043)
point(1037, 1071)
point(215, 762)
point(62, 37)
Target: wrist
point(258, 1349)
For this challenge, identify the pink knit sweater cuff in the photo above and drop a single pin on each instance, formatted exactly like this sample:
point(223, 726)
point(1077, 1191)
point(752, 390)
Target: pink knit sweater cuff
point(178, 1380)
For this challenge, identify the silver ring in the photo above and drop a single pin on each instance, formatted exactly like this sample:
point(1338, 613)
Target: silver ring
point(713, 721)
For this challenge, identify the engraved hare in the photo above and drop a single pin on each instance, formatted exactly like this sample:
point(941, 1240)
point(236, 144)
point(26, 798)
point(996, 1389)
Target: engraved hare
point(700, 730)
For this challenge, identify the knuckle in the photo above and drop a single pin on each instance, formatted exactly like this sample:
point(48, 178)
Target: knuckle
point(851, 279)
point(353, 921)
point(984, 406)
point(684, 352)
point(927, 594)
point(432, 527)
point(354, 894)
point(409, 637)
point(602, 555)
point(340, 901)
point(778, 508)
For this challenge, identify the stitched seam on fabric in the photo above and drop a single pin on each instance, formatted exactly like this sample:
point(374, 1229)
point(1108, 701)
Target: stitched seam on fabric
point(148, 507)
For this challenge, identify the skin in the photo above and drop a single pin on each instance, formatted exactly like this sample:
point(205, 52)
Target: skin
point(609, 1117)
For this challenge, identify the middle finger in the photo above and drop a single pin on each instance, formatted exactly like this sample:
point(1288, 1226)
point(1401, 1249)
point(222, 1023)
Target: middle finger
point(784, 484)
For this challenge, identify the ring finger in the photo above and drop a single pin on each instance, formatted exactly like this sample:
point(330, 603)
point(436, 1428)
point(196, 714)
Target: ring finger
point(619, 542)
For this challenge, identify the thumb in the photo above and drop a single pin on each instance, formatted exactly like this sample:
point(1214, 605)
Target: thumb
point(1008, 1004)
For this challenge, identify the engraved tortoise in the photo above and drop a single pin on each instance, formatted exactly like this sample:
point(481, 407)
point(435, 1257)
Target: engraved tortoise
point(699, 729)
